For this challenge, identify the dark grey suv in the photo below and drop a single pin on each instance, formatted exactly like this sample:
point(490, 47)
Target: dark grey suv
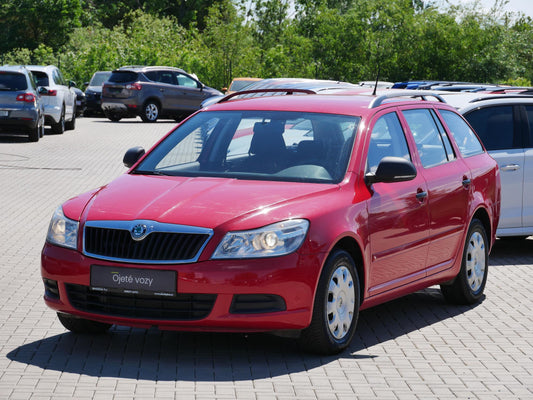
point(152, 93)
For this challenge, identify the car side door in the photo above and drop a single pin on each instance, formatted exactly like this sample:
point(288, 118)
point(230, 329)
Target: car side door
point(398, 215)
point(527, 209)
point(448, 181)
point(192, 93)
point(501, 134)
point(68, 95)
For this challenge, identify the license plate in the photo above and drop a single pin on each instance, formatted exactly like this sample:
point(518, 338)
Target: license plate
point(4, 113)
point(133, 280)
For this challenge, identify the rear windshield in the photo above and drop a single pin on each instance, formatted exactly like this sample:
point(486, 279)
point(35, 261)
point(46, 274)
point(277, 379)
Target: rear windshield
point(41, 78)
point(123, 76)
point(12, 81)
point(258, 145)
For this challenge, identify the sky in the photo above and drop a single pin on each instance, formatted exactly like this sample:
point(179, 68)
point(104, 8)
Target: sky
point(525, 6)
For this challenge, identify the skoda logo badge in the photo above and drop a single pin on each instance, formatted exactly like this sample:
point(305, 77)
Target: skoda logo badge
point(139, 232)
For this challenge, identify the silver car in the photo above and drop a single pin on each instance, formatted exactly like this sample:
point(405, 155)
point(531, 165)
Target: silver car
point(504, 124)
point(21, 110)
point(59, 99)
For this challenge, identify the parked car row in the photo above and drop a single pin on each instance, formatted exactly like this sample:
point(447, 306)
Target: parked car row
point(33, 96)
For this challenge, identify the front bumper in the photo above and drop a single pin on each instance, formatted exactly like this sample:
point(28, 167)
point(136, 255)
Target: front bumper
point(291, 278)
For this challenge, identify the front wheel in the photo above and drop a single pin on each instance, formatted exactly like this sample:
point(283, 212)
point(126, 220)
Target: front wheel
point(468, 285)
point(150, 112)
point(336, 307)
point(82, 325)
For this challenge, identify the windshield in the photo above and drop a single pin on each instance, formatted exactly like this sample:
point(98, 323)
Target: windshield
point(99, 78)
point(259, 145)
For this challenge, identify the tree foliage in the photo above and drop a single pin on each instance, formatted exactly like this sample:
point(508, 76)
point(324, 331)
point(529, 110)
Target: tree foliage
point(347, 40)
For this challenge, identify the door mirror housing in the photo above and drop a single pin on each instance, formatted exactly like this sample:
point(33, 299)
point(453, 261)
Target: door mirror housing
point(392, 169)
point(132, 156)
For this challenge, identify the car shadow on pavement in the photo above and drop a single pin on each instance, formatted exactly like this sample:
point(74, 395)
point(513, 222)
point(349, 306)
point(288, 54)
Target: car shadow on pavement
point(170, 356)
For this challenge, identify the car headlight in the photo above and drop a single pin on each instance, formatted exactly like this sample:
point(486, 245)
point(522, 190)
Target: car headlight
point(270, 241)
point(62, 231)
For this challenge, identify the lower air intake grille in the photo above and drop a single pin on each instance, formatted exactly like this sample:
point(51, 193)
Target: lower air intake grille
point(182, 307)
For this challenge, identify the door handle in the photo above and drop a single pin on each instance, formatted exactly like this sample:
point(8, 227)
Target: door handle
point(510, 167)
point(421, 194)
point(161, 89)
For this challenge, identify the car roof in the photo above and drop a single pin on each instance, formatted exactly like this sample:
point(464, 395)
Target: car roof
point(41, 67)
point(352, 104)
point(141, 68)
point(464, 101)
point(13, 68)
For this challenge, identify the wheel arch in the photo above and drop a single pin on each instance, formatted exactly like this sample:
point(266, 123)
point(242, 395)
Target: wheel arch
point(352, 247)
point(482, 215)
point(153, 99)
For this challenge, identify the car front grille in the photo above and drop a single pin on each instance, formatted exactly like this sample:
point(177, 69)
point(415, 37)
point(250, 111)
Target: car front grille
point(182, 307)
point(163, 244)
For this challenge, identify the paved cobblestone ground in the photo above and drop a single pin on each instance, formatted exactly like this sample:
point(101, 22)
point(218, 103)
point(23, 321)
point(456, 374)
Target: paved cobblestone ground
point(417, 347)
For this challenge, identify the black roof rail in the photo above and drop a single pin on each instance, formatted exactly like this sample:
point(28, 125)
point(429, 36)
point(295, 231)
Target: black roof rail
point(404, 93)
point(277, 90)
point(503, 96)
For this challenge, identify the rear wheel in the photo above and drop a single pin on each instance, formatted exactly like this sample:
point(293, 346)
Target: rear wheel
point(336, 307)
point(59, 127)
point(468, 286)
point(34, 133)
point(71, 125)
point(150, 112)
point(82, 325)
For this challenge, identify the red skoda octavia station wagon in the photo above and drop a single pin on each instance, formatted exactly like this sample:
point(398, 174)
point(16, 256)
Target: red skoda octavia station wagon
point(283, 214)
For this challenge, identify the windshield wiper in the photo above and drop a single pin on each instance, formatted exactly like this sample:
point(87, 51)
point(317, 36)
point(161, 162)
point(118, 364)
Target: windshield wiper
point(140, 172)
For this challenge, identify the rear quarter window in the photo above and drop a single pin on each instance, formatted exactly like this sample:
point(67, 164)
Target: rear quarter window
point(466, 139)
point(123, 76)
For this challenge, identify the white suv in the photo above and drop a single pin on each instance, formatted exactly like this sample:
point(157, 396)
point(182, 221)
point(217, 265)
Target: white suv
point(59, 99)
point(504, 124)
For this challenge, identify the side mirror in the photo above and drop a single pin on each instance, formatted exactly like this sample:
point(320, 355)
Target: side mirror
point(42, 90)
point(71, 84)
point(392, 169)
point(132, 156)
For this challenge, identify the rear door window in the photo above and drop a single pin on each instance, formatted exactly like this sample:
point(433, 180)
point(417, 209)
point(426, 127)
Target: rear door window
point(466, 139)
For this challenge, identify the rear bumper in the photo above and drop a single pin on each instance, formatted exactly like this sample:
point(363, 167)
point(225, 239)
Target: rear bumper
point(19, 121)
point(120, 109)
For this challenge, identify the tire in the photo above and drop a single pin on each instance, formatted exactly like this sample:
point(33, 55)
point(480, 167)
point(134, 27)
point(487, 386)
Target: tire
point(336, 307)
point(112, 116)
point(468, 285)
point(150, 111)
point(82, 325)
point(34, 133)
point(71, 125)
point(59, 127)
point(41, 127)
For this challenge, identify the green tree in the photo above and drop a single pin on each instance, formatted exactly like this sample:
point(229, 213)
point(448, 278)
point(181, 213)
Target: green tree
point(29, 23)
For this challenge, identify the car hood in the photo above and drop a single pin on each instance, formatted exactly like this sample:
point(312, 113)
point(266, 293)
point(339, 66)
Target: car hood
point(204, 202)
